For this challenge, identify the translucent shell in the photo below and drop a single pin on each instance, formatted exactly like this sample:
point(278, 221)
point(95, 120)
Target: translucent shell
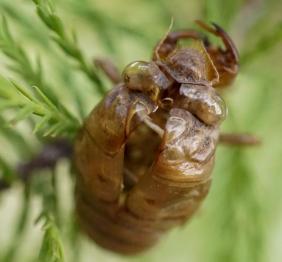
point(185, 65)
point(204, 102)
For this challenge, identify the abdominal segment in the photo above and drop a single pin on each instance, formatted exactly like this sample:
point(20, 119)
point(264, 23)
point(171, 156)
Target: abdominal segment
point(128, 198)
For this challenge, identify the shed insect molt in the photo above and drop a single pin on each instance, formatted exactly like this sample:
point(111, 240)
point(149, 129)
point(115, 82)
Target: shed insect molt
point(146, 152)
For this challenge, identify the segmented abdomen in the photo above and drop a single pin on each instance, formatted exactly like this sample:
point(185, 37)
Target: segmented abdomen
point(132, 219)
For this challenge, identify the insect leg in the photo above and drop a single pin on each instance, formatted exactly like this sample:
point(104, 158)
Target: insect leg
point(149, 122)
point(226, 61)
point(130, 179)
point(218, 31)
point(140, 111)
point(238, 139)
point(109, 69)
point(169, 42)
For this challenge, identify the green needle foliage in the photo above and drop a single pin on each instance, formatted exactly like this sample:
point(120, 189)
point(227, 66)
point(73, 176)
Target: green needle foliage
point(7, 174)
point(68, 44)
point(242, 218)
point(51, 249)
point(21, 63)
point(53, 121)
point(263, 45)
point(46, 98)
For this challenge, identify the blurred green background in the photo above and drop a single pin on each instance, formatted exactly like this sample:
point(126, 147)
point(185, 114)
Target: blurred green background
point(241, 219)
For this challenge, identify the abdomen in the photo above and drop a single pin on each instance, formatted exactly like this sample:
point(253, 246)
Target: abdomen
point(130, 220)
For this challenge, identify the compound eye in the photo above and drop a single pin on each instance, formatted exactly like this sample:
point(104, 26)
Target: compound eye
point(145, 77)
point(137, 75)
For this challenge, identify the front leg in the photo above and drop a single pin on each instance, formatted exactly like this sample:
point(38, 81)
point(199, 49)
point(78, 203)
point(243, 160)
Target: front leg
point(109, 69)
point(226, 61)
point(238, 139)
point(170, 41)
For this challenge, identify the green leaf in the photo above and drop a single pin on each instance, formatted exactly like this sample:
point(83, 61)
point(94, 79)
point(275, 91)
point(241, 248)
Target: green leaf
point(221, 11)
point(53, 129)
point(22, 91)
point(264, 44)
point(6, 171)
point(5, 29)
point(22, 114)
point(41, 123)
point(67, 44)
point(51, 248)
point(45, 98)
point(67, 47)
point(56, 119)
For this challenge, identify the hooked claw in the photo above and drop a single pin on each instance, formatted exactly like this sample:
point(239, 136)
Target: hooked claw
point(226, 61)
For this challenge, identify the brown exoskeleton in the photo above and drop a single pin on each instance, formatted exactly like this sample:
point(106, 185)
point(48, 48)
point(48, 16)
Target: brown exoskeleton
point(146, 152)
